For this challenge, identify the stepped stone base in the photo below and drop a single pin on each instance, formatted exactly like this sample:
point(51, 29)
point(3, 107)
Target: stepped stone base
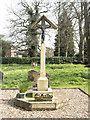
point(45, 105)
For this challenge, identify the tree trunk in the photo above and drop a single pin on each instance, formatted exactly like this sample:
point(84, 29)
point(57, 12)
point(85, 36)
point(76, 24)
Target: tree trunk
point(87, 32)
point(67, 50)
point(81, 45)
point(59, 29)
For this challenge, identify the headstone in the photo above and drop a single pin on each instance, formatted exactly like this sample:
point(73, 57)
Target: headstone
point(34, 75)
point(34, 64)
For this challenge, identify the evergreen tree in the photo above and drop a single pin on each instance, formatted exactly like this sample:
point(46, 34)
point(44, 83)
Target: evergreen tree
point(31, 34)
point(66, 36)
point(23, 36)
point(6, 47)
point(56, 46)
point(1, 36)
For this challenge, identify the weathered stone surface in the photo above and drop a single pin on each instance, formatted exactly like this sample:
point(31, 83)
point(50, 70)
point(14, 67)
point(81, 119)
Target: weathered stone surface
point(34, 75)
point(22, 104)
point(42, 84)
point(44, 105)
point(34, 64)
point(20, 95)
point(34, 105)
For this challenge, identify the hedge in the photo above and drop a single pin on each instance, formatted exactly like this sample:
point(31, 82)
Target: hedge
point(24, 60)
point(27, 60)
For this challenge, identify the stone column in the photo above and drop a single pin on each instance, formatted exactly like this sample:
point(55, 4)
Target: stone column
point(42, 60)
point(42, 81)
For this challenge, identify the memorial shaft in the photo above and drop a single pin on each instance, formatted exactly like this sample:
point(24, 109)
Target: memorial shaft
point(42, 84)
point(42, 81)
point(42, 69)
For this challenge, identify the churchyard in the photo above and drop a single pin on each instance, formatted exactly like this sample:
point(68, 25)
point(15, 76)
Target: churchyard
point(37, 85)
point(53, 87)
point(65, 79)
point(61, 75)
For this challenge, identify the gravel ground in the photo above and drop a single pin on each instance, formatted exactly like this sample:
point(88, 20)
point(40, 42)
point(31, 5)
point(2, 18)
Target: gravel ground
point(73, 104)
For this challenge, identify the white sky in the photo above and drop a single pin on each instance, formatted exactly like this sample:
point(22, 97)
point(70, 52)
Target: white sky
point(4, 5)
point(4, 16)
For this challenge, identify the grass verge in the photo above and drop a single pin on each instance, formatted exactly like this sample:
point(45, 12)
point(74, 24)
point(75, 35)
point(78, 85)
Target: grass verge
point(62, 75)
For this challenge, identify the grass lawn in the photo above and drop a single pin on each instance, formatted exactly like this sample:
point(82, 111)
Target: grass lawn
point(62, 76)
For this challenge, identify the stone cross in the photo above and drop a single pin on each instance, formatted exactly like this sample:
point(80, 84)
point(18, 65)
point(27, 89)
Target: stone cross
point(45, 23)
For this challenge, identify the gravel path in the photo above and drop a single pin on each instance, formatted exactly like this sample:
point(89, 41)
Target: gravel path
point(73, 104)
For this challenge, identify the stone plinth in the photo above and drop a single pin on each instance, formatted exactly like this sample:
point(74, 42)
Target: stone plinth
point(41, 92)
point(31, 101)
point(42, 84)
point(34, 105)
point(43, 105)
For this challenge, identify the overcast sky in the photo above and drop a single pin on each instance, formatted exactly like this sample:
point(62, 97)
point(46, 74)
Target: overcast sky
point(4, 16)
point(5, 5)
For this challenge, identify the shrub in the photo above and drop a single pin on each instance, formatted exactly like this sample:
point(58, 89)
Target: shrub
point(24, 60)
point(27, 60)
point(23, 87)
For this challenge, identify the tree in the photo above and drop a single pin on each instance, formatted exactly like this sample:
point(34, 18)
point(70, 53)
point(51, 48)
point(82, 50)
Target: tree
point(56, 46)
point(24, 37)
point(85, 50)
point(49, 52)
point(1, 36)
point(81, 44)
point(87, 29)
point(21, 33)
point(82, 15)
point(6, 48)
point(66, 36)
point(79, 9)
point(57, 12)
point(31, 34)
point(59, 4)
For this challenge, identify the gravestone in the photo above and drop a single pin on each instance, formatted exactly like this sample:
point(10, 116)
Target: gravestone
point(34, 76)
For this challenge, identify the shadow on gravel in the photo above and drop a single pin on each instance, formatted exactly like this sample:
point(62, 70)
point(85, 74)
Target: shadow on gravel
point(10, 102)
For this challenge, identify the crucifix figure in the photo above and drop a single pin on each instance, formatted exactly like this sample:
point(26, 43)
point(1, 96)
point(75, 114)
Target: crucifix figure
point(42, 34)
point(42, 84)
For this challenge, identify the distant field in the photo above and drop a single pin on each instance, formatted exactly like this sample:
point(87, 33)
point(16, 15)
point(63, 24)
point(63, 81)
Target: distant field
point(62, 75)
